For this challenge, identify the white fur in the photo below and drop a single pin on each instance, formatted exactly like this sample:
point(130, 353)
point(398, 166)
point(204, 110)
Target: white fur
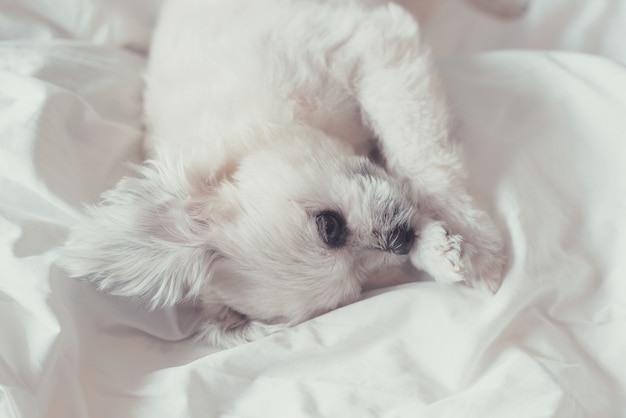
point(261, 116)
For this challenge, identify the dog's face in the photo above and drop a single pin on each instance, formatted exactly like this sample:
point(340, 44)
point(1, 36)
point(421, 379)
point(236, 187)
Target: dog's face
point(289, 233)
point(302, 231)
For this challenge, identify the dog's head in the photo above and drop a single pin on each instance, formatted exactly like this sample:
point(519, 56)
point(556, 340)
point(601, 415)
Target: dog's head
point(289, 232)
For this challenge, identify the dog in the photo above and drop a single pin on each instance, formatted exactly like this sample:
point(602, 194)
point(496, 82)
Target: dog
point(298, 149)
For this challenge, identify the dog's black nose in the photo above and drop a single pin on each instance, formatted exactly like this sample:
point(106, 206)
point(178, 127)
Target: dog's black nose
point(400, 240)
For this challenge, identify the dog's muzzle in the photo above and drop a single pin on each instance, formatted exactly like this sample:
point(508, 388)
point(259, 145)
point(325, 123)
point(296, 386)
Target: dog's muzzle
point(399, 241)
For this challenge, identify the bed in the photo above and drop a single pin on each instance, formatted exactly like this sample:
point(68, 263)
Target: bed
point(540, 104)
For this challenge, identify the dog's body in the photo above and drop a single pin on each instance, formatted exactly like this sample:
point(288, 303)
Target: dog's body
point(300, 149)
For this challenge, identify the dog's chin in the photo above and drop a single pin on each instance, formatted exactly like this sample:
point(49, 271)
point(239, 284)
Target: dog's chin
point(280, 294)
point(240, 307)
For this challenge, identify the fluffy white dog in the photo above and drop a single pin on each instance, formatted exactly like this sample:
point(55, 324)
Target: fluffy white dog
point(299, 149)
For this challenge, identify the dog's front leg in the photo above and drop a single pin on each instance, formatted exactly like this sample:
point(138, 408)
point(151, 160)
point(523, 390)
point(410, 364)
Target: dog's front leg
point(388, 69)
point(224, 327)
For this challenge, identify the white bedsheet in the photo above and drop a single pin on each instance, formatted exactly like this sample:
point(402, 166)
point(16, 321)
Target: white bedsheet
point(545, 132)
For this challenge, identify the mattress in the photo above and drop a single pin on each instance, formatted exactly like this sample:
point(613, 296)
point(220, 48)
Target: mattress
point(540, 104)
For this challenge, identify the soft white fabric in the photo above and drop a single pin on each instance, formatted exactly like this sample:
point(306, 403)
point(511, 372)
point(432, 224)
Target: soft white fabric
point(545, 134)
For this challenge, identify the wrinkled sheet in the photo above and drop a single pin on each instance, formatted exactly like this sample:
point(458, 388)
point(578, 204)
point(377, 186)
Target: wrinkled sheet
point(541, 106)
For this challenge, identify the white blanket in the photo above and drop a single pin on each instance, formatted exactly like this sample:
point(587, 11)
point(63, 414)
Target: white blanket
point(545, 132)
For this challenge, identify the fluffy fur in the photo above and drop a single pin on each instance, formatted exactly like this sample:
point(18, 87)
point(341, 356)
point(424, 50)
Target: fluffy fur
point(263, 118)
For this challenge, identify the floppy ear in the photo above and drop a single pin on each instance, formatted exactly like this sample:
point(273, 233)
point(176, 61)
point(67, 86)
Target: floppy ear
point(145, 239)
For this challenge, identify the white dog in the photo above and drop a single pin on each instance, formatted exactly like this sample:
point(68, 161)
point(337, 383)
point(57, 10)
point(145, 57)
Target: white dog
point(300, 148)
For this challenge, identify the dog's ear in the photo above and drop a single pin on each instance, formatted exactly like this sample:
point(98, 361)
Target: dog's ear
point(149, 238)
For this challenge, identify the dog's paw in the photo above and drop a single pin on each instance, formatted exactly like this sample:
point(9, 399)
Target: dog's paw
point(449, 258)
point(228, 328)
point(503, 9)
point(440, 254)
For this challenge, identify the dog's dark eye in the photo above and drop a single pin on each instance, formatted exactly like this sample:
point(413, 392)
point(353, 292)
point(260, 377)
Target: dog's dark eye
point(332, 228)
